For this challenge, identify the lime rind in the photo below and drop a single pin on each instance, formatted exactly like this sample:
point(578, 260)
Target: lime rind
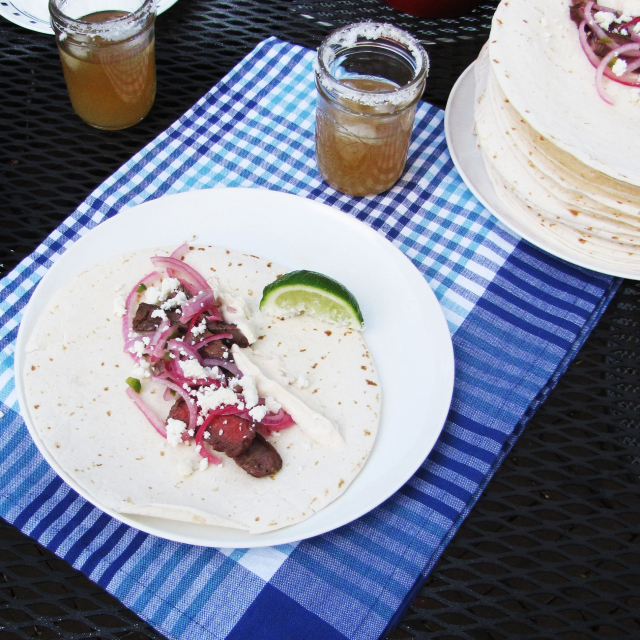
point(312, 293)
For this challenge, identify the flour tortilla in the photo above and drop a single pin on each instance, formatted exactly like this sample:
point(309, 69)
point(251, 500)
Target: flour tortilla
point(546, 187)
point(539, 64)
point(75, 387)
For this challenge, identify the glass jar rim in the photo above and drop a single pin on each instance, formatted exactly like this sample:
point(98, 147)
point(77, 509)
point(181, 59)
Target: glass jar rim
point(347, 37)
point(82, 26)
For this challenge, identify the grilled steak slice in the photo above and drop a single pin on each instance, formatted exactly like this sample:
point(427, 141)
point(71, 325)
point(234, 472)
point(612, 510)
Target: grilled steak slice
point(215, 349)
point(260, 459)
point(223, 327)
point(230, 434)
point(143, 322)
point(179, 411)
point(175, 315)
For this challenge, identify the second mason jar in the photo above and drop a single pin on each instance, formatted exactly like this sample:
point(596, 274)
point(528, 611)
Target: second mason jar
point(108, 58)
point(369, 77)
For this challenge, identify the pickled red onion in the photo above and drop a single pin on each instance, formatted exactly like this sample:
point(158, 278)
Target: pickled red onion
point(148, 412)
point(127, 320)
point(224, 364)
point(203, 301)
point(193, 412)
point(604, 63)
point(178, 345)
point(180, 252)
point(217, 336)
point(193, 282)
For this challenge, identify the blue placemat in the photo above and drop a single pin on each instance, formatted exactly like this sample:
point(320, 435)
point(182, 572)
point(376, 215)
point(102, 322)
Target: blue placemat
point(517, 317)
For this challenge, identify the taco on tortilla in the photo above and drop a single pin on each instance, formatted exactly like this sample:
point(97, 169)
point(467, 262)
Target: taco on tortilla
point(228, 417)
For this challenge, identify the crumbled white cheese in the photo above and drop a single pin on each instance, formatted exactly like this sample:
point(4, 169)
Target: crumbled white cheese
point(199, 329)
point(169, 285)
point(137, 348)
point(272, 405)
point(141, 370)
point(636, 27)
point(119, 308)
point(259, 412)
point(159, 313)
point(176, 301)
point(604, 18)
point(175, 429)
point(204, 463)
point(152, 295)
point(619, 67)
point(249, 391)
point(207, 435)
point(155, 295)
point(208, 398)
point(184, 469)
point(192, 369)
point(301, 382)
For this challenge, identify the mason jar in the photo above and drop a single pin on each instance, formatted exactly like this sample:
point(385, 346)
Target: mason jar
point(369, 78)
point(108, 58)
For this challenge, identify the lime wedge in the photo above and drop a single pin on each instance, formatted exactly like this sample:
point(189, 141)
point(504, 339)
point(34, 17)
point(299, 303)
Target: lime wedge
point(312, 293)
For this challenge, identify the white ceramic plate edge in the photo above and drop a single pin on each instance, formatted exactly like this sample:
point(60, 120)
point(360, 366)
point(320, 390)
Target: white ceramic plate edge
point(427, 308)
point(467, 158)
point(14, 12)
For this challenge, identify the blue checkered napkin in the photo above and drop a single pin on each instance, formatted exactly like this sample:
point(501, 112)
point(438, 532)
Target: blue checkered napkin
point(517, 317)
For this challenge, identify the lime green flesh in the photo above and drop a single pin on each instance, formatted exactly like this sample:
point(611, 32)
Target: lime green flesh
point(312, 293)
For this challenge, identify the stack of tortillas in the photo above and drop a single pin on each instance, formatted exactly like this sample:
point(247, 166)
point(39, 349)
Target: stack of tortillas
point(558, 155)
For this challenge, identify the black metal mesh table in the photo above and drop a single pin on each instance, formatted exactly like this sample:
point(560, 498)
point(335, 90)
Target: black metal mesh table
point(552, 549)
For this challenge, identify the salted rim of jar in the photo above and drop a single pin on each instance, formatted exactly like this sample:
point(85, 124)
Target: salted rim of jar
point(348, 37)
point(117, 29)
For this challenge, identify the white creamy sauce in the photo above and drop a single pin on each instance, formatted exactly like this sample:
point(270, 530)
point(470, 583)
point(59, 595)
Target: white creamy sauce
point(314, 425)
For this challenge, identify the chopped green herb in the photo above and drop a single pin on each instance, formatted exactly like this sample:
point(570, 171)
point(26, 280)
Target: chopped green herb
point(141, 288)
point(605, 40)
point(134, 383)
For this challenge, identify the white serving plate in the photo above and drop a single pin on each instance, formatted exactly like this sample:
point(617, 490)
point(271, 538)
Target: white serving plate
point(34, 14)
point(405, 329)
point(467, 157)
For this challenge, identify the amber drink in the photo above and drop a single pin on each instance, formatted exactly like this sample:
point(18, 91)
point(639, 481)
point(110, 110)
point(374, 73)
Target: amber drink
point(108, 58)
point(369, 78)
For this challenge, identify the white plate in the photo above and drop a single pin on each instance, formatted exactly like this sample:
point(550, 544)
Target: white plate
point(466, 155)
point(34, 14)
point(406, 331)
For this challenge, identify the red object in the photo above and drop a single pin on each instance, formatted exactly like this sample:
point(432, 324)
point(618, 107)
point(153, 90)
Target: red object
point(434, 8)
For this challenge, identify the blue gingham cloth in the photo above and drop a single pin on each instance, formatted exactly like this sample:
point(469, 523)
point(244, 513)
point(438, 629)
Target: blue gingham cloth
point(517, 317)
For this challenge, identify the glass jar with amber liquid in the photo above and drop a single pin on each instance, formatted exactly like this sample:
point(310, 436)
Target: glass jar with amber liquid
point(369, 78)
point(108, 58)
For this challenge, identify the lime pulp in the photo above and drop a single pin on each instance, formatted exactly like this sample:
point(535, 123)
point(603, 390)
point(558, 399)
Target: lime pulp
point(312, 293)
